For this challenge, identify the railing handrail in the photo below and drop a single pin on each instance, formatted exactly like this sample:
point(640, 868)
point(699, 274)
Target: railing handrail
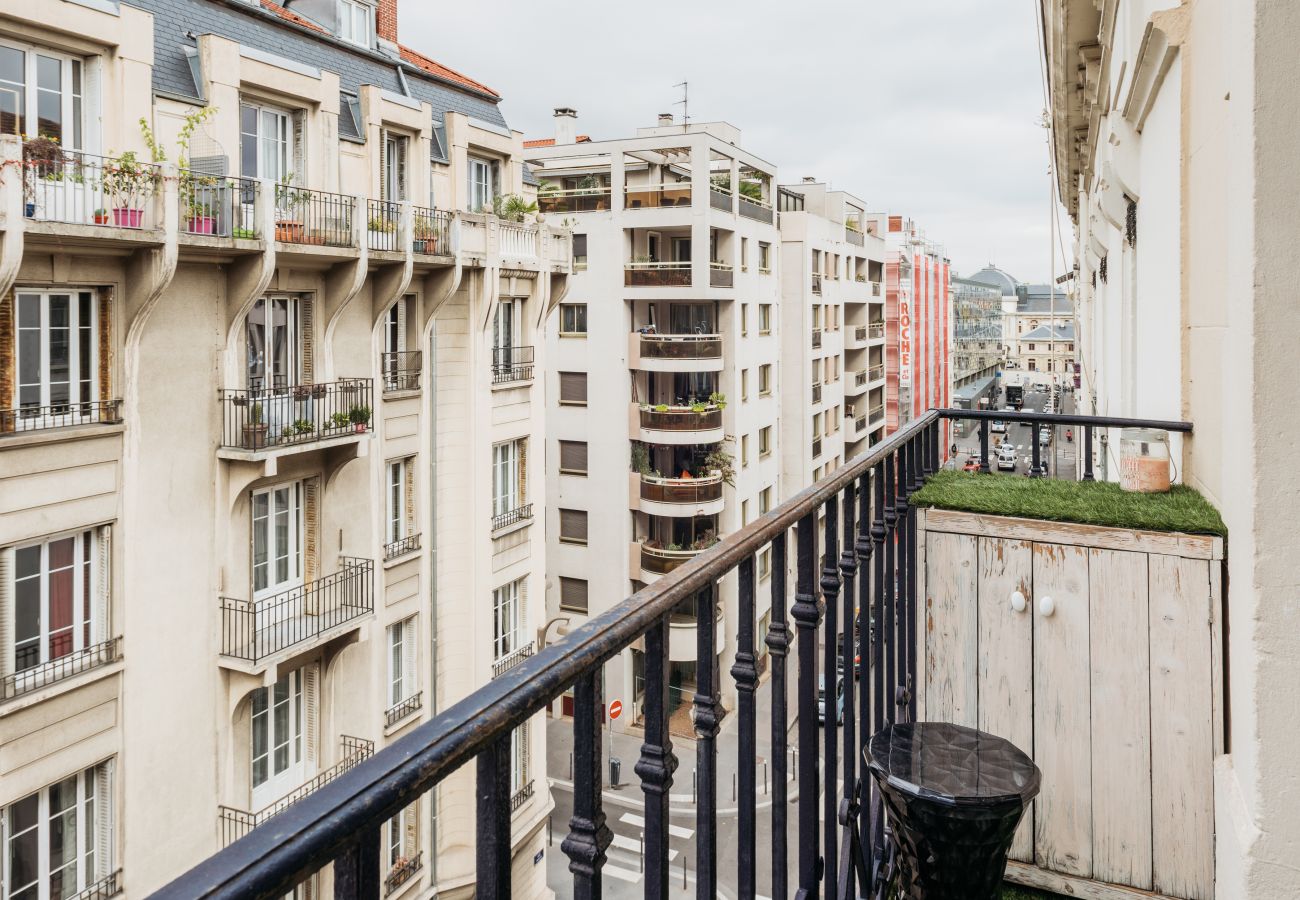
point(718, 264)
point(659, 185)
point(660, 337)
point(672, 554)
point(681, 410)
point(673, 482)
point(576, 192)
point(679, 264)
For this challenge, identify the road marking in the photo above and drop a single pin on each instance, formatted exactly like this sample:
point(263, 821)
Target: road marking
point(621, 873)
point(676, 831)
point(626, 843)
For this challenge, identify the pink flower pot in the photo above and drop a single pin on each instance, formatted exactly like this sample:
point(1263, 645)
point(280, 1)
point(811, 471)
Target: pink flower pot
point(128, 218)
point(203, 225)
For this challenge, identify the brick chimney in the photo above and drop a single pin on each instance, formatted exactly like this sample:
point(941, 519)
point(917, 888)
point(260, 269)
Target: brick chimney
point(566, 125)
point(386, 20)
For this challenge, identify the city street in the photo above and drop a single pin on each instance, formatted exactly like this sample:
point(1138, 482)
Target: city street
point(1061, 455)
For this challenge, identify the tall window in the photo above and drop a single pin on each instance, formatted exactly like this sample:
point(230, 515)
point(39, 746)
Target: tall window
point(401, 843)
point(393, 177)
point(42, 94)
point(277, 538)
point(354, 21)
point(278, 342)
point(58, 353)
point(508, 476)
point(59, 840)
point(765, 378)
point(508, 623)
point(279, 752)
point(395, 518)
point(520, 777)
point(482, 184)
point(266, 143)
point(58, 600)
point(401, 661)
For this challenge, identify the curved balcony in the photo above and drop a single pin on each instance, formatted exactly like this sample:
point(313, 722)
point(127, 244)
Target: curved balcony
point(680, 496)
point(659, 561)
point(681, 424)
point(675, 352)
point(682, 642)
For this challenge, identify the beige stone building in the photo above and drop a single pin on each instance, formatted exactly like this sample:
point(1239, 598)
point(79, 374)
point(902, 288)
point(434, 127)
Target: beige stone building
point(267, 499)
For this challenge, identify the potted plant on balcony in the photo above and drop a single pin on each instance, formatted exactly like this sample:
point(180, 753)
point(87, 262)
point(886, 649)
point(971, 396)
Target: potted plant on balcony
point(359, 416)
point(303, 427)
point(101, 216)
point(288, 210)
point(129, 181)
point(720, 464)
point(512, 207)
point(198, 192)
point(254, 429)
point(43, 159)
point(718, 400)
point(549, 199)
point(426, 235)
point(382, 233)
point(339, 421)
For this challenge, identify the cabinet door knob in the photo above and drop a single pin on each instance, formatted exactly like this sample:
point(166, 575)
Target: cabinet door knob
point(1018, 602)
point(1046, 606)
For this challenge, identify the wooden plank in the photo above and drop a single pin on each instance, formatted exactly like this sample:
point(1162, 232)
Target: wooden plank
point(1062, 747)
point(1182, 726)
point(1073, 886)
point(1006, 660)
point(1217, 683)
point(922, 580)
point(950, 628)
point(1194, 546)
point(1121, 717)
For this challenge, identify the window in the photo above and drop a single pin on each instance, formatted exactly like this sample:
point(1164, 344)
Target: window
point(401, 844)
point(399, 513)
point(1033, 365)
point(508, 623)
point(59, 840)
point(57, 354)
point(573, 388)
point(744, 513)
point(744, 385)
point(392, 168)
point(277, 539)
point(1031, 346)
point(402, 678)
point(744, 450)
point(744, 254)
point(764, 256)
point(765, 379)
point(42, 95)
point(482, 184)
point(765, 440)
point(765, 501)
point(279, 714)
point(744, 319)
point(59, 601)
point(354, 22)
point(573, 319)
point(573, 594)
point(268, 139)
point(401, 368)
point(579, 252)
point(520, 778)
point(279, 349)
point(573, 526)
point(764, 626)
point(573, 457)
point(508, 479)
point(764, 318)
point(765, 562)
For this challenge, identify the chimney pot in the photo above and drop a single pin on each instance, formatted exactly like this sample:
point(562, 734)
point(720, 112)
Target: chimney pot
point(566, 125)
point(665, 119)
point(808, 179)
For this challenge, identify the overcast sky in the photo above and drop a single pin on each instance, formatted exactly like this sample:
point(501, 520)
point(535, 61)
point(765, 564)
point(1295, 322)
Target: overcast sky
point(925, 108)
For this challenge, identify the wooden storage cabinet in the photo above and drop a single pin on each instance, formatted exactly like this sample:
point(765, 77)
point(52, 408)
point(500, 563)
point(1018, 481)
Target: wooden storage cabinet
point(1109, 675)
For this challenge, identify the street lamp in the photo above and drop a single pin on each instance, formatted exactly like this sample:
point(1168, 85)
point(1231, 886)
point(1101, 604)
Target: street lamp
point(541, 632)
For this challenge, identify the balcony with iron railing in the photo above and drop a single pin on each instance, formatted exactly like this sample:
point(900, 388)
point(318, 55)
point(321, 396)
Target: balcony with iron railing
point(399, 711)
point(70, 187)
point(512, 364)
point(384, 226)
point(259, 421)
point(108, 886)
point(253, 632)
point(657, 274)
point(845, 580)
point(431, 231)
point(403, 870)
point(655, 196)
point(66, 662)
point(310, 218)
point(219, 206)
point(401, 547)
point(400, 370)
point(66, 414)
point(514, 516)
point(508, 661)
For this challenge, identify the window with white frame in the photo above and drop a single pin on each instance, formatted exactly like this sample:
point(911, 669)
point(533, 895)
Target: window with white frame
point(392, 182)
point(268, 145)
point(573, 319)
point(509, 460)
point(43, 94)
point(398, 518)
point(355, 21)
point(482, 184)
point(58, 841)
point(508, 618)
point(57, 362)
point(520, 774)
point(277, 538)
point(282, 745)
point(401, 844)
point(402, 679)
point(278, 338)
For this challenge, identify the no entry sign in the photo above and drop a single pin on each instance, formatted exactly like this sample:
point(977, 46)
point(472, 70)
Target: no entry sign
point(616, 709)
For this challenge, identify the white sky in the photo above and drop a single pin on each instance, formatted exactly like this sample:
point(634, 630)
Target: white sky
point(925, 108)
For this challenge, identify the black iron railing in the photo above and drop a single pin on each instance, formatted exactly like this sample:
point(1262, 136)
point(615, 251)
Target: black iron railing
point(60, 415)
point(267, 418)
point(401, 710)
point(510, 517)
point(401, 370)
point(431, 231)
point(235, 823)
point(254, 629)
point(850, 541)
point(401, 546)
point(304, 216)
point(512, 364)
point(56, 670)
point(383, 225)
point(218, 205)
point(521, 796)
point(512, 659)
point(84, 189)
point(403, 871)
point(108, 886)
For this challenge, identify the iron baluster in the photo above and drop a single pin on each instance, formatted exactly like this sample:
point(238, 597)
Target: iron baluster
point(745, 672)
point(707, 715)
point(778, 642)
point(588, 836)
point(807, 615)
point(356, 870)
point(848, 573)
point(830, 585)
point(657, 763)
point(984, 446)
point(492, 849)
point(1087, 453)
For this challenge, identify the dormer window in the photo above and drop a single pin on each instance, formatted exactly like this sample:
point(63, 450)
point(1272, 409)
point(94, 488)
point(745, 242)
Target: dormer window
point(355, 20)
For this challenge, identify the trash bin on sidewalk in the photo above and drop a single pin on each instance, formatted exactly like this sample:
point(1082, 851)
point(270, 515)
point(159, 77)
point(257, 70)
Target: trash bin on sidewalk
point(955, 796)
point(615, 769)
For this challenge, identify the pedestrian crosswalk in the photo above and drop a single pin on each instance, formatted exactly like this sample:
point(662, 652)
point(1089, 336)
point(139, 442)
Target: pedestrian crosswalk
point(623, 858)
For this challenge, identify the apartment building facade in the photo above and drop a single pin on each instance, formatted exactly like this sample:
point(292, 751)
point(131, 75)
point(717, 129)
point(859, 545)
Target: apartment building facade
point(833, 331)
point(265, 412)
point(663, 419)
point(1038, 328)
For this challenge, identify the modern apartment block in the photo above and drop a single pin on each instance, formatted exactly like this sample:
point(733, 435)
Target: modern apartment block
point(832, 331)
point(663, 419)
point(267, 500)
point(977, 343)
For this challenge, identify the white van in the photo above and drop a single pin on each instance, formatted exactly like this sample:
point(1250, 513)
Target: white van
point(1007, 456)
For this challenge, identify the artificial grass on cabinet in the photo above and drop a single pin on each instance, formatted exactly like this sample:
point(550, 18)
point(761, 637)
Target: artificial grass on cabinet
point(1085, 502)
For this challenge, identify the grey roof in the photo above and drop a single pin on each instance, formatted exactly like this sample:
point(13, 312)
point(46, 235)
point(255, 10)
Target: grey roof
point(254, 27)
point(1062, 332)
point(974, 389)
point(530, 177)
point(1043, 305)
point(994, 276)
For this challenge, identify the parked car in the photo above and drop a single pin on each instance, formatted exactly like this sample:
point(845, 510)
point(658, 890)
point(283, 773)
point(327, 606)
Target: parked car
point(998, 427)
point(1044, 436)
point(839, 698)
point(1007, 457)
point(972, 464)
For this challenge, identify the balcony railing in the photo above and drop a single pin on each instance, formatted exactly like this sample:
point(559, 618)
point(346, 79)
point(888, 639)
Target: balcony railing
point(759, 210)
point(510, 517)
point(512, 659)
point(431, 231)
point(850, 545)
point(681, 418)
point(719, 198)
point(218, 205)
point(860, 332)
point(594, 199)
point(721, 275)
point(650, 196)
point(876, 372)
point(321, 218)
point(270, 418)
point(60, 415)
point(816, 393)
point(65, 666)
point(816, 338)
point(518, 241)
point(252, 630)
point(521, 796)
point(853, 233)
point(383, 225)
point(84, 189)
point(875, 288)
point(401, 370)
point(512, 364)
point(403, 870)
point(875, 331)
point(108, 886)
point(661, 561)
point(400, 711)
point(681, 346)
point(817, 282)
point(860, 424)
point(657, 274)
point(401, 547)
point(688, 491)
point(877, 413)
point(235, 823)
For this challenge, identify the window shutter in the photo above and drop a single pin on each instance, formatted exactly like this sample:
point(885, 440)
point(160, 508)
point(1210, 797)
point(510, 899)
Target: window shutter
point(310, 529)
point(573, 594)
point(409, 474)
point(573, 388)
point(6, 610)
point(401, 169)
point(8, 341)
point(411, 829)
point(410, 634)
point(522, 465)
point(300, 147)
point(105, 336)
point(92, 70)
point(401, 325)
point(573, 525)
point(573, 457)
point(307, 332)
point(311, 717)
point(494, 188)
point(104, 806)
point(104, 586)
point(383, 165)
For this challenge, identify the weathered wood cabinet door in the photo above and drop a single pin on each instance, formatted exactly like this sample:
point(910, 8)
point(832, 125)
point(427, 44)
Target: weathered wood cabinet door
point(1101, 663)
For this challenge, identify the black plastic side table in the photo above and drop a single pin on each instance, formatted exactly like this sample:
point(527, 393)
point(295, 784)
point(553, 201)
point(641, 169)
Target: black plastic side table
point(954, 796)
